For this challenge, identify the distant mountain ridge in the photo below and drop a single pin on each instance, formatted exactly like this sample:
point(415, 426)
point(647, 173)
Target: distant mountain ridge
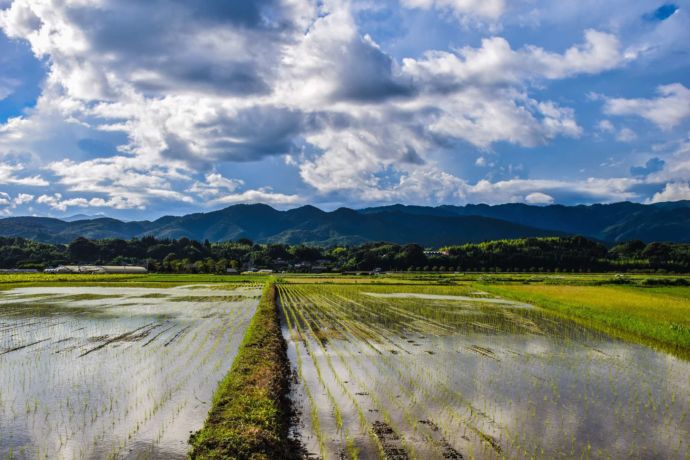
point(429, 226)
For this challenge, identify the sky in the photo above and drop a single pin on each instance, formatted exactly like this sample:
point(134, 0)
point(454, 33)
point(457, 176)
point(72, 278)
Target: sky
point(138, 109)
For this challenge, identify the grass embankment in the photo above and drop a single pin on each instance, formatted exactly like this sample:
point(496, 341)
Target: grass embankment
point(249, 418)
point(659, 317)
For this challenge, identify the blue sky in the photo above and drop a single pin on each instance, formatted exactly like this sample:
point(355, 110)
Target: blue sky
point(140, 109)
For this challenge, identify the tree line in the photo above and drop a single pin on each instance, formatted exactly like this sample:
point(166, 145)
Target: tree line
point(183, 255)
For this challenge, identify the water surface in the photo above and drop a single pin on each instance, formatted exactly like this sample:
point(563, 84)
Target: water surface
point(445, 376)
point(113, 372)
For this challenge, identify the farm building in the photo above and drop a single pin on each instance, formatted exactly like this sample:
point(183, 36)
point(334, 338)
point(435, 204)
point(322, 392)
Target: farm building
point(98, 269)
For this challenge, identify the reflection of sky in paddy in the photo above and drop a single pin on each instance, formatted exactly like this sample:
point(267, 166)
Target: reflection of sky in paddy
point(538, 386)
point(560, 392)
point(137, 396)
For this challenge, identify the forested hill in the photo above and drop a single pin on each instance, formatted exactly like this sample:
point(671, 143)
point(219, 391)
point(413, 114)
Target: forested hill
point(568, 254)
point(615, 222)
point(428, 226)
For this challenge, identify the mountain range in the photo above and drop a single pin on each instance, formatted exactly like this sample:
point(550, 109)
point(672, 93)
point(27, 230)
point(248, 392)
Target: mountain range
point(428, 226)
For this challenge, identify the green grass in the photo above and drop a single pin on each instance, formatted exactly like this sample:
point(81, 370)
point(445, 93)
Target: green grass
point(659, 317)
point(152, 280)
point(249, 418)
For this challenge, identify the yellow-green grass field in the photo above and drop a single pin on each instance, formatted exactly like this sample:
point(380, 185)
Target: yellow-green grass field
point(657, 316)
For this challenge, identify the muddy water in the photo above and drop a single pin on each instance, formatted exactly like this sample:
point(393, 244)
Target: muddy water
point(457, 378)
point(113, 372)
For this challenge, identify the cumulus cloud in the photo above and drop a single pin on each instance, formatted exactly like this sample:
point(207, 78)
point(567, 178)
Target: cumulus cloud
point(22, 198)
point(8, 175)
point(124, 180)
point(539, 198)
point(490, 9)
point(220, 190)
point(474, 95)
point(214, 185)
point(605, 126)
point(674, 191)
point(496, 63)
point(589, 190)
point(58, 203)
point(666, 111)
point(159, 46)
point(183, 86)
point(9, 203)
point(264, 195)
point(626, 135)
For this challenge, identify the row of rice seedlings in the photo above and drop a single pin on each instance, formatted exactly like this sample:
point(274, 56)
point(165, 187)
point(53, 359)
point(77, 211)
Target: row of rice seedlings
point(539, 384)
point(189, 366)
point(635, 380)
point(380, 408)
point(349, 442)
point(296, 305)
point(136, 405)
point(485, 410)
point(386, 390)
point(393, 398)
point(203, 359)
point(414, 320)
point(402, 375)
point(313, 410)
point(593, 400)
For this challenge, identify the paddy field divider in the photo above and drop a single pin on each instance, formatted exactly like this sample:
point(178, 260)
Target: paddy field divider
point(250, 414)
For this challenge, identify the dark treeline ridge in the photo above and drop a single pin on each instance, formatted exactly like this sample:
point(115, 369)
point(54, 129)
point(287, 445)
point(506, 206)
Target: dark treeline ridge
point(568, 254)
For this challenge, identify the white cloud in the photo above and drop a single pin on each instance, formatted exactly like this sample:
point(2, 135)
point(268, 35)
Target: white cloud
point(666, 111)
point(57, 202)
point(126, 181)
point(539, 198)
point(674, 191)
point(490, 9)
point(265, 195)
point(496, 63)
point(22, 198)
point(516, 190)
point(606, 126)
point(599, 52)
point(230, 82)
point(8, 176)
point(215, 184)
point(626, 135)
point(9, 203)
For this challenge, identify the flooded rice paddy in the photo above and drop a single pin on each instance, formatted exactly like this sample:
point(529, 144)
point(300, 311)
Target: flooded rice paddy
point(398, 376)
point(113, 372)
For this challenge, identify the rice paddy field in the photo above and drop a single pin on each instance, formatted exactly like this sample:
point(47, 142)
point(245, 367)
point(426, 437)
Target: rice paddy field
point(405, 371)
point(104, 372)
point(391, 367)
